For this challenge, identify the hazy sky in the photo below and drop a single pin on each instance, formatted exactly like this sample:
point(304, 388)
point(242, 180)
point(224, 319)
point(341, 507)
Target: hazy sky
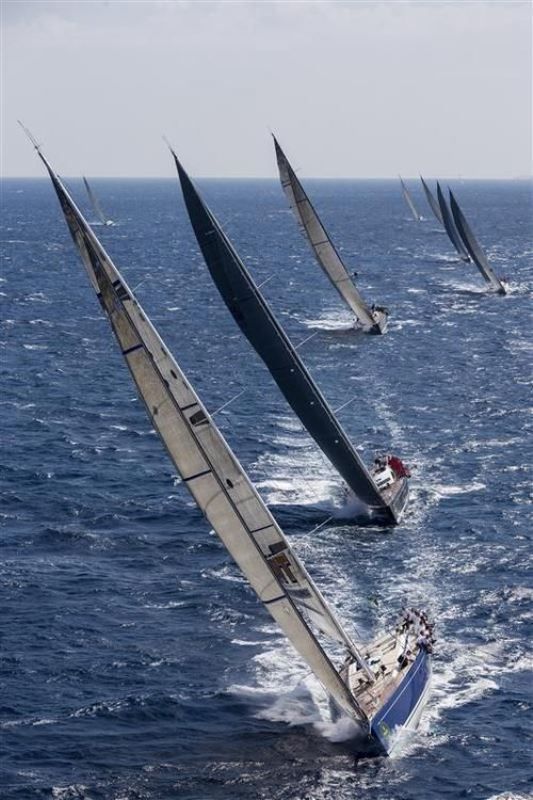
point(352, 89)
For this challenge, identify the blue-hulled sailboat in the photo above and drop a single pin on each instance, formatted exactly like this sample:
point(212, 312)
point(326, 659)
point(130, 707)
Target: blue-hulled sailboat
point(381, 686)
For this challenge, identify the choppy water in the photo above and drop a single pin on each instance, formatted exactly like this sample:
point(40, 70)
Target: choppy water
point(136, 664)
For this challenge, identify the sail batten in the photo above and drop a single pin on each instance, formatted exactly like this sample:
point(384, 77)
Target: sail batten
point(328, 256)
point(212, 473)
point(255, 318)
point(449, 226)
point(475, 250)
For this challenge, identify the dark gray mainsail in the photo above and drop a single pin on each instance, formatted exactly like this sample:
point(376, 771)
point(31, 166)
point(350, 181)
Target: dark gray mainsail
point(449, 226)
point(408, 199)
point(257, 322)
point(322, 246)
point(433, 204)
point(474, 248)
point(213, 475)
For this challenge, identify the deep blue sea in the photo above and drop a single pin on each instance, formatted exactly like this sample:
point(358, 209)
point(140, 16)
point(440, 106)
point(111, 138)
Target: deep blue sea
point(136, 663)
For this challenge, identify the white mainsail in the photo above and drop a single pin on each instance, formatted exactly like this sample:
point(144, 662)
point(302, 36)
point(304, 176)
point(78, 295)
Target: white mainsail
point(321, 244)
point(409, 201)
point(211, 472)
point(97, 208)
point(433, 204)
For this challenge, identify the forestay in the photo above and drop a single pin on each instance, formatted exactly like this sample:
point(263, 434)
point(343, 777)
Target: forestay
point(433, 204)
point(449, 226)
point(409, 201)
point(474, 248)
point(321, 244)
point(211, 472)
point(255, 318)
point(94, 202)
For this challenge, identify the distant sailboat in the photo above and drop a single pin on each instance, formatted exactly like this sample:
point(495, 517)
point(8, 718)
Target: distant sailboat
point(408, 199)
point(97, 208)
point(382, 686)
point(372, 319)
point(475, 250)
point(433, 204)
point(385, 491)
point(449, 226)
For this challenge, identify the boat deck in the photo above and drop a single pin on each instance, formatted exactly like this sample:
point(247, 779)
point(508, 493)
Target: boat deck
point(383, 652)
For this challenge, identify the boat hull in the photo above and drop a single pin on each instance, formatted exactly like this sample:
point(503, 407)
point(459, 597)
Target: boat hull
point(396, 497)
point(381, 323)
point(404, 707)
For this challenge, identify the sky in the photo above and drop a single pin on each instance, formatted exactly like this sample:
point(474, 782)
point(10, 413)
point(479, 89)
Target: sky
point(351, 89)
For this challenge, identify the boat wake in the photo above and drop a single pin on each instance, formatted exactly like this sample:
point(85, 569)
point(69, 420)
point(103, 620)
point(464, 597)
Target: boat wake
point(338, 322)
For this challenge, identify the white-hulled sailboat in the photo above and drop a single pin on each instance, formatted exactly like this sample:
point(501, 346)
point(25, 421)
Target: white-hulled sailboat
point(409, 201)
point(372, 319)
point(382, 686)
point(433, 204)
point(97, 208)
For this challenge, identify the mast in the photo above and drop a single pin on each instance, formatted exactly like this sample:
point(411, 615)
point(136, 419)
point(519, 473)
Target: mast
point(409, 201)
point(94, 202)
point(433, 204)
point(475, 250)
point(256, 320)
point(325, 252)
point(449, 226)
point(212, 473)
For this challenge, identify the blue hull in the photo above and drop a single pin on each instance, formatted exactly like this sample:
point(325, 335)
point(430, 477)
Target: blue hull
point(404, 707)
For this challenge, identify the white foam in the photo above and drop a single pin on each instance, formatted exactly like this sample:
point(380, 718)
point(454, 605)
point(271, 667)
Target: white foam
point(449, 491)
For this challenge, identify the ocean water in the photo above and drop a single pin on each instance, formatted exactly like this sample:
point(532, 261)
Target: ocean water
point(136, 663)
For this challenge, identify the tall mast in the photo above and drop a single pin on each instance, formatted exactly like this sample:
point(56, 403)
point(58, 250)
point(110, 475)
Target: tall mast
point(325, 251)
point(211, 472)
point(255, 318)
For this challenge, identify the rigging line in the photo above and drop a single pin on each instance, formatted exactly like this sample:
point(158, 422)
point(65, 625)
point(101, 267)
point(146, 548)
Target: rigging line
point(225, 405)
point(347, 403)
point(320, 526)
point(140, 284)
point(297, 346)
point(265, 281)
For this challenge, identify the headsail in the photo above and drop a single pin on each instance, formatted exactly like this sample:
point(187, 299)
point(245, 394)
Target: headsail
point(97, 208)
point(211, 472)
point(408, 199)
point(320, 241)
point(474, 248)
point(433, 204)
point(256, 320)
point(449, 226)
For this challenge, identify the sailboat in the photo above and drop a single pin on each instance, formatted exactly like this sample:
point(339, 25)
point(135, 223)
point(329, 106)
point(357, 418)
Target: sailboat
point(383, 686)
point(477, 254)
point(384, 490)
point(433, 204)
point(408, 199)
point(449, 226)
point(372, 319)
point(97, 208)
